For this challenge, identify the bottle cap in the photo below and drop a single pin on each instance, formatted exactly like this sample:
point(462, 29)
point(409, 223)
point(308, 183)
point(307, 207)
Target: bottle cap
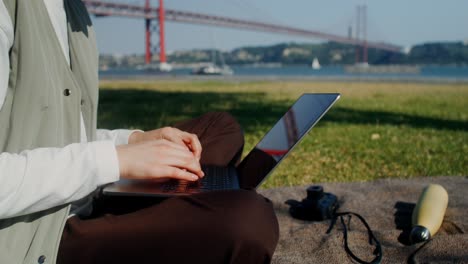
point(419, 234)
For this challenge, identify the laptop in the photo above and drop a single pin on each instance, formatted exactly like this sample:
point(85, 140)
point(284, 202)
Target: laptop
point(254, 169)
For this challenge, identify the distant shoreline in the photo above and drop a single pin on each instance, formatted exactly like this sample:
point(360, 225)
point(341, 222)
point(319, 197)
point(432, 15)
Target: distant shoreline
point(424, 74)
point(272, 78)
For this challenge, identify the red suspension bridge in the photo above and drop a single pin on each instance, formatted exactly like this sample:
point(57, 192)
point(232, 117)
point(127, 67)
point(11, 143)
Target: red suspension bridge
point(161, 15)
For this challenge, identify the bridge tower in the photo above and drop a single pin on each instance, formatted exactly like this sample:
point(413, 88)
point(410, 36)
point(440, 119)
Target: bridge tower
point(361, 31)
point(148, 54)
point(364, 32)
point(163, 66)
point(162, 45)
point(358, 34)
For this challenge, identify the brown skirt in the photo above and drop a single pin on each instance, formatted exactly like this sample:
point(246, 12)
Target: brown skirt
point(218, 227)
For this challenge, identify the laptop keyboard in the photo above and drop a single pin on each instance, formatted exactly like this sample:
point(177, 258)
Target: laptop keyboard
point(217, 178)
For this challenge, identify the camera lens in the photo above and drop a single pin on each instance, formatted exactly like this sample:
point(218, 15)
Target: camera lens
point(314, 192)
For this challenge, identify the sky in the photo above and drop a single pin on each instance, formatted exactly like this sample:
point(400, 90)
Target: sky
point(401, 22)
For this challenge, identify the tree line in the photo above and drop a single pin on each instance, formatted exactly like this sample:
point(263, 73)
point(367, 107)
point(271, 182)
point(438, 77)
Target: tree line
point(330, 53)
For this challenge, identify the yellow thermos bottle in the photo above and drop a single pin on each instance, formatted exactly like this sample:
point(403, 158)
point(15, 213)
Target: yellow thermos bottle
point(429, 212)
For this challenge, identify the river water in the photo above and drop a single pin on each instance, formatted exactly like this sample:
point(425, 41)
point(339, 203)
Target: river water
point(426, 73)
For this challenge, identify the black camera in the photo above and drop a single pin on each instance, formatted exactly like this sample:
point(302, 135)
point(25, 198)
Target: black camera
point(317, 206)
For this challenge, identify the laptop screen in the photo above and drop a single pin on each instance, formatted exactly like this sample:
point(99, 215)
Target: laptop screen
point(284, 135)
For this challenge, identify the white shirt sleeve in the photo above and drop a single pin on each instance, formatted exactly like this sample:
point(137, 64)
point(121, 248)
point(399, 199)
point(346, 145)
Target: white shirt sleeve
point(6, 41)
point(43, 178)
point(118, 136)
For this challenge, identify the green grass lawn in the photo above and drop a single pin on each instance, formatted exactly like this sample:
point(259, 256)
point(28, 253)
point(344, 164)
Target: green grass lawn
point(376, 130)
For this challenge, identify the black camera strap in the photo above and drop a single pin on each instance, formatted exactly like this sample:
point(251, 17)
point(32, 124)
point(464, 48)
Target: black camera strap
point(372, 239)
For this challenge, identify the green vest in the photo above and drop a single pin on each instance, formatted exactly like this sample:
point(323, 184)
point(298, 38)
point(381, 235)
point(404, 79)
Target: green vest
point(42, 109)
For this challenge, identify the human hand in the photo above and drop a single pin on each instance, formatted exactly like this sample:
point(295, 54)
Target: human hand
point(158, 159)
point(177, 136)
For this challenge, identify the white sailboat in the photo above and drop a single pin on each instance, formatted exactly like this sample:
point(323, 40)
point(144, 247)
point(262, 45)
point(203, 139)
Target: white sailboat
point(214, 68)
point(316, 64)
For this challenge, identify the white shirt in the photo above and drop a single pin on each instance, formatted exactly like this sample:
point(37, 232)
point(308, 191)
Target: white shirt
point(34, 180)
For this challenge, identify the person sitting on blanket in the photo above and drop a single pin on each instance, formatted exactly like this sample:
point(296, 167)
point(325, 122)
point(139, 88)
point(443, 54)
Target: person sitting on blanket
point(53, 159)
